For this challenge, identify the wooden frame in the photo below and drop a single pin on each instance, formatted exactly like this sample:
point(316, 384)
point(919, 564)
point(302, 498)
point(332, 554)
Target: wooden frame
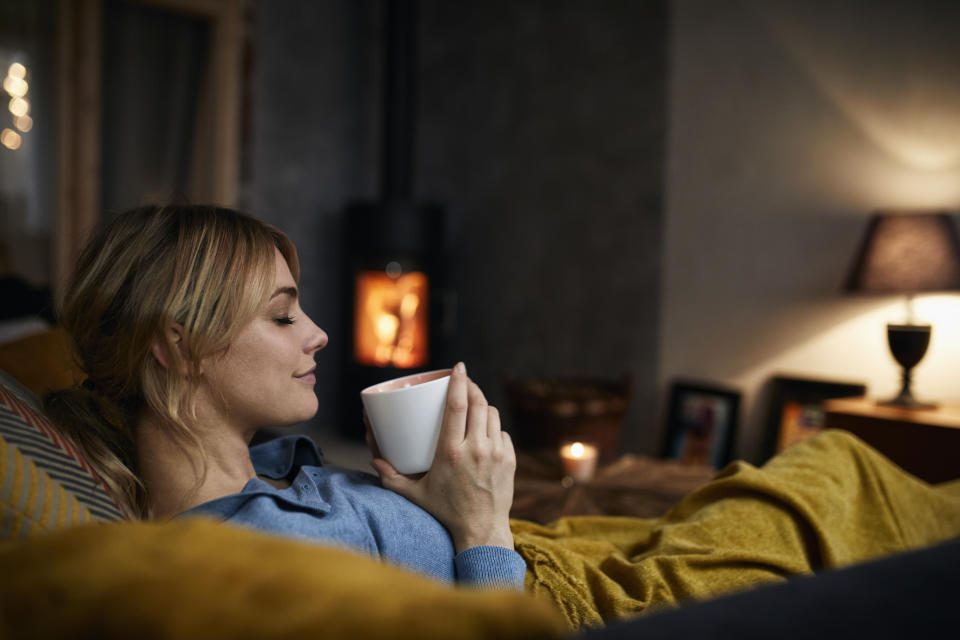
point(701, 424)
point(795, 411)
point(216, 149)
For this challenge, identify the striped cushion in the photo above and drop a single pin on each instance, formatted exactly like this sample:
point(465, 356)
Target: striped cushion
point(45, 483)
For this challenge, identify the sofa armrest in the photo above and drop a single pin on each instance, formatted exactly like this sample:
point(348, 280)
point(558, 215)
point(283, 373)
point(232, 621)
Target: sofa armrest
point(198, 578)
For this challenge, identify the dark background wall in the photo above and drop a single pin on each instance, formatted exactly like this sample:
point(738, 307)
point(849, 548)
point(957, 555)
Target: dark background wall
point(658, 188)
point(541, 132)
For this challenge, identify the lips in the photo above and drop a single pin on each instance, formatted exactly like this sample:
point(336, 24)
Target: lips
point(307, 376)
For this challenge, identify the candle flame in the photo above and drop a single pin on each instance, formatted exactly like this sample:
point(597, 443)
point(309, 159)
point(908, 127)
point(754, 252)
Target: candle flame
point(577, 450)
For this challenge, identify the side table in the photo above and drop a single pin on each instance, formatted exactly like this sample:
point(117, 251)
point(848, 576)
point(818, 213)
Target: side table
point(925, 442)
point(632, 485)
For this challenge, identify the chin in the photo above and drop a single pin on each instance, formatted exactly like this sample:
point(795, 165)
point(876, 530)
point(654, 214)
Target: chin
point(303, 406)
point(293, 419)
point(294, 412)
point(309, 411)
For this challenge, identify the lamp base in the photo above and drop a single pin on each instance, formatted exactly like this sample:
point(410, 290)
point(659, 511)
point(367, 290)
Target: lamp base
point(908, 344)
point(906, 402)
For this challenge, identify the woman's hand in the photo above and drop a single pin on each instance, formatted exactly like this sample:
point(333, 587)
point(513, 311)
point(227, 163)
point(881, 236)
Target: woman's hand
point(469, 487)
point(369, 438)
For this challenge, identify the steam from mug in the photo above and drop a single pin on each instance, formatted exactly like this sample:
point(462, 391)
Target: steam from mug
point(405, 416)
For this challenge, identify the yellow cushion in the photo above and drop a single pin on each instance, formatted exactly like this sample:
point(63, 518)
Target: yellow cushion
point(45, 482)
point(32, 502)
point(196, 578)
point(41, 361)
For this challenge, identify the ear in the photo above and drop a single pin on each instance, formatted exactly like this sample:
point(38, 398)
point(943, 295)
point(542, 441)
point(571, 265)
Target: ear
point(172, 339)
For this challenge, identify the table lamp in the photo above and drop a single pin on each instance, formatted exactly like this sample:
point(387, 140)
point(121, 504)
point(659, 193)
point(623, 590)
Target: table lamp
point(907, 253)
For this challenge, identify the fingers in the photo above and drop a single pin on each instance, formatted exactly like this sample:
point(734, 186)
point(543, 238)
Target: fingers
point(477, 412)
point(391, 478)
point(369, 438)
point(509, 453)
point(467, 412)
point(454, 425)
point(493, 423)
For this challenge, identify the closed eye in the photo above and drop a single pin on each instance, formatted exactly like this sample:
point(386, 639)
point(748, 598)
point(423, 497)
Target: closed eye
point(284, 320)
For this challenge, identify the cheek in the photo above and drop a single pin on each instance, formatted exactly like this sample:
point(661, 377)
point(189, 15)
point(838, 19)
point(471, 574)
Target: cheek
point(259, 353)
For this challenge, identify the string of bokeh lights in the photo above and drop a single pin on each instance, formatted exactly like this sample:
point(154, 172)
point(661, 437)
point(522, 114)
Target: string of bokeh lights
point(15, 84)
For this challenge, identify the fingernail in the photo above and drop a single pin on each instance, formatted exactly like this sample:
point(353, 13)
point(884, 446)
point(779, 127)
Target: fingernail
point(461, 368)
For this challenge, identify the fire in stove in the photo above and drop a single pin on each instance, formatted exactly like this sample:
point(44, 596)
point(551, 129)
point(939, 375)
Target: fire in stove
point(391, 318)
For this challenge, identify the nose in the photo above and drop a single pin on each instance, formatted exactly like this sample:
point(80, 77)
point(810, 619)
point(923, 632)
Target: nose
point(317, 338)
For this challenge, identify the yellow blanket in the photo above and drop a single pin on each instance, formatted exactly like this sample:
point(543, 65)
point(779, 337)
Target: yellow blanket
point(828, 502)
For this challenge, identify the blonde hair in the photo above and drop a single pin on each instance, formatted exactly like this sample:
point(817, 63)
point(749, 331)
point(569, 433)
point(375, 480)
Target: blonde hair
point(205, 268)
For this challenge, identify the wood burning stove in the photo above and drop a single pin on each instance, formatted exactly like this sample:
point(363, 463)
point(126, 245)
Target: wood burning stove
point(394, 251)
point(395, 311)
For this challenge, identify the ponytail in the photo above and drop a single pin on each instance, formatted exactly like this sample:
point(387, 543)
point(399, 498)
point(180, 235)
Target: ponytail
point(98, 427)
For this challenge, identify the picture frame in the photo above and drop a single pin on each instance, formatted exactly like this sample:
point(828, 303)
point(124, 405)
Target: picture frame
point(702, 421)
point(795, 409)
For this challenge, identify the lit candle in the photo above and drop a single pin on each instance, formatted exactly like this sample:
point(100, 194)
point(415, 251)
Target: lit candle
point(579, 460)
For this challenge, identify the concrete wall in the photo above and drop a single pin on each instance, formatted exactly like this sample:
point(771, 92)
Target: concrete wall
point(789, 124)
point(541, 133)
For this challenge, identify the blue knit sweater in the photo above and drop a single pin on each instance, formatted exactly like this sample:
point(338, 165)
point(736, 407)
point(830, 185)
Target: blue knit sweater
point(352, 509)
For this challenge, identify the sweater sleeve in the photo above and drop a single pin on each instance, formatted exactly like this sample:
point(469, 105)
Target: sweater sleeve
point(490, 566)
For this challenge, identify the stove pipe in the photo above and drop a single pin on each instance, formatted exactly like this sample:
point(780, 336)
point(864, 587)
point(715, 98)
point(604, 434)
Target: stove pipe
point(399, 100)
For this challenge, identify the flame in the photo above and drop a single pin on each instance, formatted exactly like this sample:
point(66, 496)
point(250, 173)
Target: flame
point(390, 323)
point(387, 325)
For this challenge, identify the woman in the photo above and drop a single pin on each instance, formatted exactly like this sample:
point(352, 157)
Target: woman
point(188, 324)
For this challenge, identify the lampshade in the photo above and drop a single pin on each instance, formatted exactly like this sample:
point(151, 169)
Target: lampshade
point(907, 253)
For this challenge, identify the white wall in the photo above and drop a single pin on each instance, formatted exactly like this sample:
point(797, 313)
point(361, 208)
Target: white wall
point(789, 124)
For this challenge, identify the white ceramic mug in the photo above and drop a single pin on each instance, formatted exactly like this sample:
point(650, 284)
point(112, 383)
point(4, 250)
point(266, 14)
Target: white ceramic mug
point(405, 416)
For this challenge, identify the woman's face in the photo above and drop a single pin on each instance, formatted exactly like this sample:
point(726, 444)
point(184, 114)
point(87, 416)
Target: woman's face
point(266, 377)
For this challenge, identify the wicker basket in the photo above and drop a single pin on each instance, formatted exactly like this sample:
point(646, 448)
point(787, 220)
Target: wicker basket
point(546, 412)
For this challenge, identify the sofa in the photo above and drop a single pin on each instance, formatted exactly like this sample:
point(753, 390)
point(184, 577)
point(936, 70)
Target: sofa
point(71, 565)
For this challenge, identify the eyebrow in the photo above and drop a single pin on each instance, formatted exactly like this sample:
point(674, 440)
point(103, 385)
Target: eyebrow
point(290, 291)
